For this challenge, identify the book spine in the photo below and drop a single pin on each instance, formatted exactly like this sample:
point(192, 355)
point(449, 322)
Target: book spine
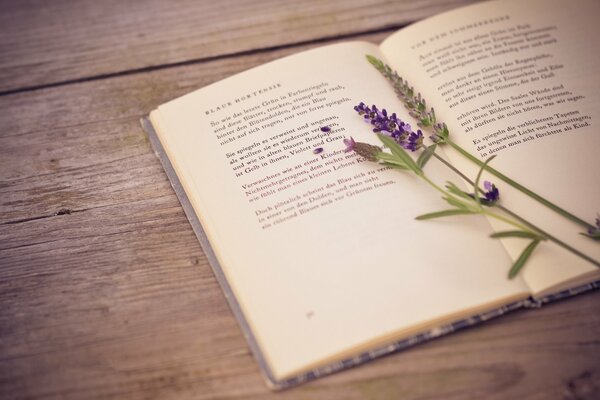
point(533, 302)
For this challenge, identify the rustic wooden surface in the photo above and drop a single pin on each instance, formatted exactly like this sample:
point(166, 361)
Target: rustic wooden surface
point(104, 290)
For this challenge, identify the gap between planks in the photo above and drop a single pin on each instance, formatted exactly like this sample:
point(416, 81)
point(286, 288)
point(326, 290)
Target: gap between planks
point(200, 60)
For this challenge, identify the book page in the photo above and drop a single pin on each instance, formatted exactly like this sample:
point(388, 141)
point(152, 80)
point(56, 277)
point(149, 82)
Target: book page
point(321, 247)
point(518, 79)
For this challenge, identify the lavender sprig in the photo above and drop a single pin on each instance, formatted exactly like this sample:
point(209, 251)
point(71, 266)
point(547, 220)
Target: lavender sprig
point(461, 203)
point(418, 109)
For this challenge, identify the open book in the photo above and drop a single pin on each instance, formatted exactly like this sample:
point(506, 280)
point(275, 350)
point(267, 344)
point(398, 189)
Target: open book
point(320, 255)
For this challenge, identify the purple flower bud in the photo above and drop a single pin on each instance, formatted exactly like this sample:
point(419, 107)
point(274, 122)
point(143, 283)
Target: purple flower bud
point(596, 229)
point(317, 150)
point(325, 129)
point(440, 133)
point(492, 194)
point(415, 141)
point(365, 150)
point(350, 143)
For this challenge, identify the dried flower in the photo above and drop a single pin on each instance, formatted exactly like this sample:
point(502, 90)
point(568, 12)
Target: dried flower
point(350, 144)
point(594, 232)
point(318, 150)
point(440, 133)
point(325, 129)
point(415, 141)
point(417, 108)
point(368, 151)
point(390, 125)
point(492, 194)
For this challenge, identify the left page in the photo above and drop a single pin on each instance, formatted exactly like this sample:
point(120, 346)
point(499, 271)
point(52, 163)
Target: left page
point(321, 248)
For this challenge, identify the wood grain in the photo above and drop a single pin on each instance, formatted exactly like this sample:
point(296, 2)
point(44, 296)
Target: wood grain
point(105, 292)
point(44, 43)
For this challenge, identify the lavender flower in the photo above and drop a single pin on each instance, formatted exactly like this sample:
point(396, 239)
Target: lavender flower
point(368, 151)
point(440, 133)
point(415, 141)
point(492, 194)
point(595, 231)
point(318, 150)
point(390, 125)
point(350, 144)
point(417, 108)
point(325, 129)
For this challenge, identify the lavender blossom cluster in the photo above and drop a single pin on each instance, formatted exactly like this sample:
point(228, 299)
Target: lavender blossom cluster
point(391, 125)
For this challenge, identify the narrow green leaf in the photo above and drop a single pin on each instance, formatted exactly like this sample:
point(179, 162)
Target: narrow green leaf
point(518, 265)
point(400, 153)
point(593, 236)
point(516, 234)
point(457, 203)
point(426, 155)
point(452, 188)
point(395, 166)
point(389, 158)
point(445, 213)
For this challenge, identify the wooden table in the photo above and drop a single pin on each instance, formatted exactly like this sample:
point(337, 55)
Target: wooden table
point(105, 291)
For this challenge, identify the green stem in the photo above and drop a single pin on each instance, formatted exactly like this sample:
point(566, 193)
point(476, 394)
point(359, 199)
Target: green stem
point(529, 225)
point(518, 186)
point(508, 221)
point(454, 169)
point(431, 183)
point(445, 193)
point(548, 236)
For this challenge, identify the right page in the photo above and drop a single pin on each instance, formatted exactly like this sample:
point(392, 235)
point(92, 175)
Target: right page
point(518, 79)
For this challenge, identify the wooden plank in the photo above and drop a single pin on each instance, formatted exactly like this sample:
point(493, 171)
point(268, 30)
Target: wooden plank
point(42, 43)
point(67, 134)
point(114, 298)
